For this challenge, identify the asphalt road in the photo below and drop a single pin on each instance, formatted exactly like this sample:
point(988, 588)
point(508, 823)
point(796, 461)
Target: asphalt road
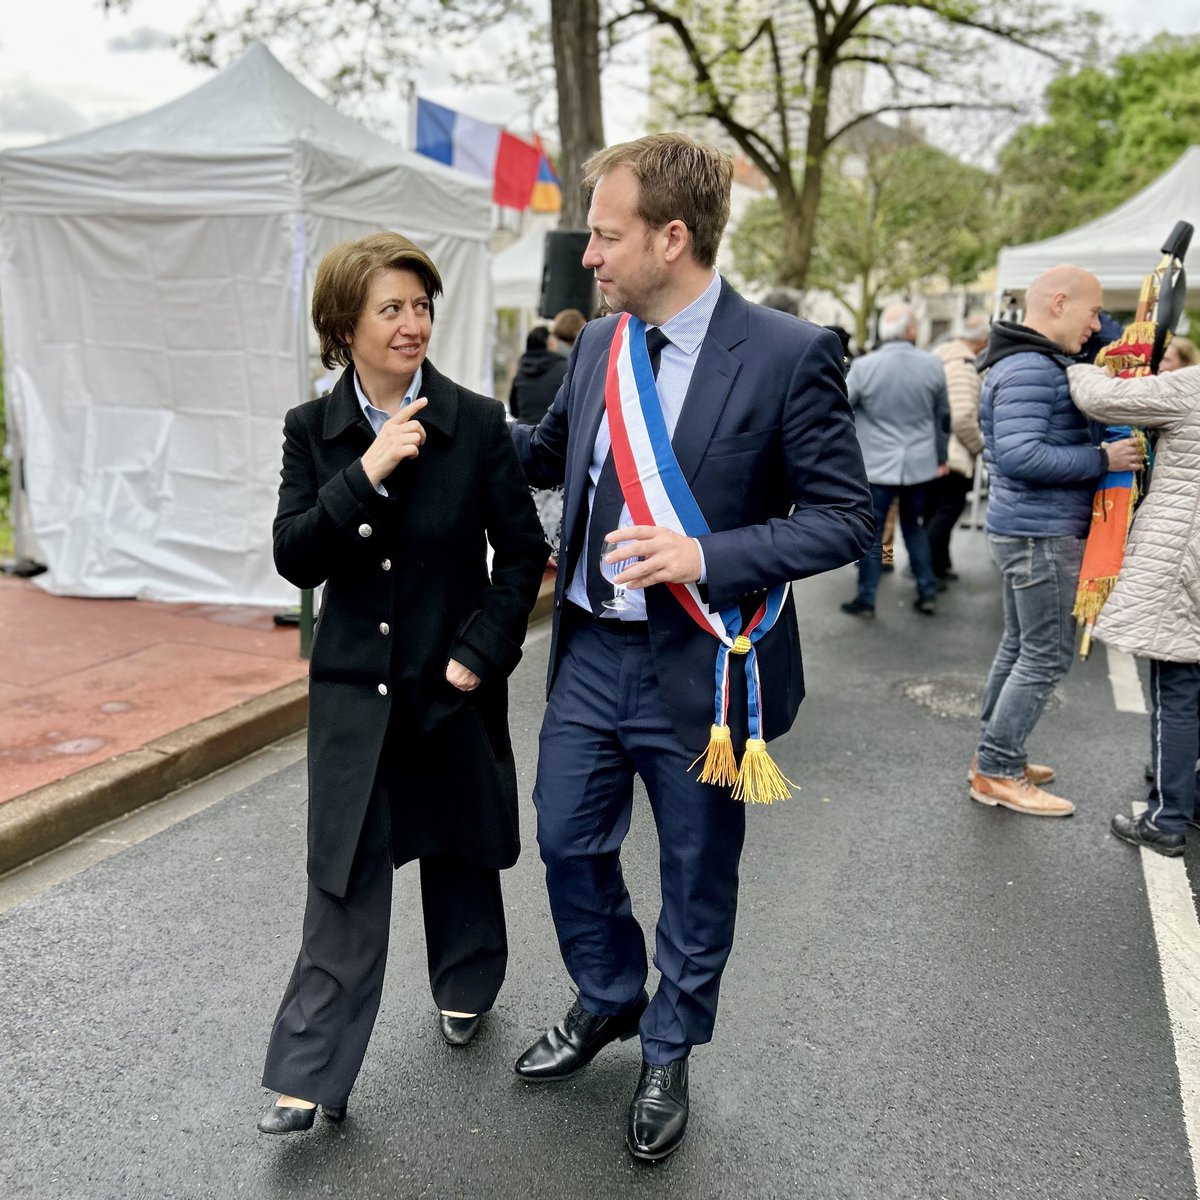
point(927, 998)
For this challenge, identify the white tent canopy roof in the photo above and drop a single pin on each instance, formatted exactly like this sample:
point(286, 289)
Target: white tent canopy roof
point(1122, 246)
point(253, 139)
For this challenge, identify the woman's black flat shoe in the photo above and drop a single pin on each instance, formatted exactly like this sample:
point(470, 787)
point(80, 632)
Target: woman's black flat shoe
point(458, 1031)
point(278, 1118)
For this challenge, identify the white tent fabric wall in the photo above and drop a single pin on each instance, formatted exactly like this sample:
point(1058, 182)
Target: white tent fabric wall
point(1120, 247)
point(517, 272)
point(156, 278)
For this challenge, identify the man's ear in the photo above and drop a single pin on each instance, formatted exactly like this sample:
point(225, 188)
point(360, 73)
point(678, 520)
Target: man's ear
point(679, 239)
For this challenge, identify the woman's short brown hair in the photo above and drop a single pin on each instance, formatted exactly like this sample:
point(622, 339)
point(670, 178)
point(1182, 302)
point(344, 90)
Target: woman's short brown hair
point(679, 179)
point(344, 278)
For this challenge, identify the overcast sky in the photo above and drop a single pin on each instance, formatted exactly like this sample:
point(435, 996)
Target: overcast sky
point(65, 66)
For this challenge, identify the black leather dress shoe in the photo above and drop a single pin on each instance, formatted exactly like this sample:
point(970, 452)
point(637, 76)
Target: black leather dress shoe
point(576, 1040)
point(1137, 831)
point(278, 1118)
point(658, 1115)
point(458, 1031)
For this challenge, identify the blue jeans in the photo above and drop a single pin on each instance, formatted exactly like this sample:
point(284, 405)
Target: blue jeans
point(1040, 578)
point(912, 510)
point(1174, 744)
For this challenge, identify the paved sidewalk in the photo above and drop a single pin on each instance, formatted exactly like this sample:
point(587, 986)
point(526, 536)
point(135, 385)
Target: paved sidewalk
point(106, 705)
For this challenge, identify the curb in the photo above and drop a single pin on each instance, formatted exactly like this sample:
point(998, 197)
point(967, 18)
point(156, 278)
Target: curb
point(50, 816)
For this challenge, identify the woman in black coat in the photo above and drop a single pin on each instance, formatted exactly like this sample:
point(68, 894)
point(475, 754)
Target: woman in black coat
point(392, 487)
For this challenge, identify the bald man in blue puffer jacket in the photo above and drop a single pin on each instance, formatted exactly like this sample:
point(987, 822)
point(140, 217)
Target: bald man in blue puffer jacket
point(1044, 460)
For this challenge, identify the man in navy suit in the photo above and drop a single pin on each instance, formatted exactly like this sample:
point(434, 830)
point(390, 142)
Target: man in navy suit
point(754, 404)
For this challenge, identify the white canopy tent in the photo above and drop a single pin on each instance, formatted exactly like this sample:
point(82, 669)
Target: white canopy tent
point(155, 277)
point(517, 272)
point(1122, 246)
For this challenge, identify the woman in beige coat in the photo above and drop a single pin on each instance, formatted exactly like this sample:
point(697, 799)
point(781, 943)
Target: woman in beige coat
point(1155, 609)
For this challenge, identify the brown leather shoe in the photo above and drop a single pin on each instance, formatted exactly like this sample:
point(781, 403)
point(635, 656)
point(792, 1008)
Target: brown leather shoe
point(1037, 775)
point(1018, 794)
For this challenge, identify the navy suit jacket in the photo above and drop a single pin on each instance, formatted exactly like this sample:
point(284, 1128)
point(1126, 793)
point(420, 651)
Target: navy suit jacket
point(766, 442)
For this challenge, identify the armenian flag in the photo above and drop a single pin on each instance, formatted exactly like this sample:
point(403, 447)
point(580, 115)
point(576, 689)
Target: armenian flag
point(547, 190)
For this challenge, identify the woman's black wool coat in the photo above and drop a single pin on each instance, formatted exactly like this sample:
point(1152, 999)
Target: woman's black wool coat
point(407, 589)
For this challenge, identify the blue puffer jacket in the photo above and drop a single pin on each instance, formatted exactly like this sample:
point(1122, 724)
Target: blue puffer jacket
point(1040, 450)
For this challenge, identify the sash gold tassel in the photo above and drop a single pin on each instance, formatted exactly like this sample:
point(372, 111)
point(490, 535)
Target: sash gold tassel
point(720, 763)
point(760, 781)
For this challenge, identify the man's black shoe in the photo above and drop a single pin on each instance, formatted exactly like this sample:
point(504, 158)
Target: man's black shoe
point(576, 1040)
point(926, 605)
point(658, 1115)
point(856, 608)
point(1138, 831)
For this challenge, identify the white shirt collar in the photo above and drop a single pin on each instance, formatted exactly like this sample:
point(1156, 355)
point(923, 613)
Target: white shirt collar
point(686, 329)
point(369, 409)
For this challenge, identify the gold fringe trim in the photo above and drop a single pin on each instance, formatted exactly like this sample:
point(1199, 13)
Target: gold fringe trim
point(1091, 597)
point(1139, 331)
point(720, 764)
point(760, 781)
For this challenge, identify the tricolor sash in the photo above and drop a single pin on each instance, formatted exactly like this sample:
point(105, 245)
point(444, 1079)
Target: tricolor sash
point(656, 493)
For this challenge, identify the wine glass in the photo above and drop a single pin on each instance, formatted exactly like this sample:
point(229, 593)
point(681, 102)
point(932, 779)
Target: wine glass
point(619, 603)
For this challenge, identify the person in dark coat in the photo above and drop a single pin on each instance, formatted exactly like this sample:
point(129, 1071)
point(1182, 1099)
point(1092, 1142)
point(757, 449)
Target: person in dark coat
point(393, 485)
point(538, 377)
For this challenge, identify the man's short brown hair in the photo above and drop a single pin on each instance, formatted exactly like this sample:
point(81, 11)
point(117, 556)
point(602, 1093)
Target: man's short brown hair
point(344, 279)
point(567, 324)
point(678, 179)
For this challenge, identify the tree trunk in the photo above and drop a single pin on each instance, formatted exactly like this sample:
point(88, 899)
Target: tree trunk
point(800, 213)
point(575, 28)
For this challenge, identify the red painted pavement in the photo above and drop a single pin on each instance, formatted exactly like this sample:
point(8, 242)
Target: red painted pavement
point(84, 680)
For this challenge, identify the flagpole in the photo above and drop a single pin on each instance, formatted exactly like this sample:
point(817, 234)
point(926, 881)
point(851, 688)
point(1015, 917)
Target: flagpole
point(410, 94)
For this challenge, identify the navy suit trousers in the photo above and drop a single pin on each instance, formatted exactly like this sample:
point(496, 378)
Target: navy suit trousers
point(605, 722)
point(1174, 745)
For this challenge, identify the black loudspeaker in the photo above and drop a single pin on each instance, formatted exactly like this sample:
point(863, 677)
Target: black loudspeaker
point(566, 282)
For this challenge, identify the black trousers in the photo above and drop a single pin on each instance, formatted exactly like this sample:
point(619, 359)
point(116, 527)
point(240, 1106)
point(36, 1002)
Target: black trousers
point(946, 498)
point(328, 1010)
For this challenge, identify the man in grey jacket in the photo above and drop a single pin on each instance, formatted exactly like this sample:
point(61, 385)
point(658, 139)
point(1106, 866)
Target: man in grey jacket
point(902, 416)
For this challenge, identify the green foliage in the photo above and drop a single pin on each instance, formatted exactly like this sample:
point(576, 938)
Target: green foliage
point(1109, 131)
point(900, 214)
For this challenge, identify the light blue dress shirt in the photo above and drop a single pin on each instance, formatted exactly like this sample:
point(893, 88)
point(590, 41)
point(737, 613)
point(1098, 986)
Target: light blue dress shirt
point(377, 417)
point(685, 331)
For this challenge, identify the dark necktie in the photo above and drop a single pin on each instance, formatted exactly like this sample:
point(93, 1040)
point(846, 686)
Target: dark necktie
point(608, 500)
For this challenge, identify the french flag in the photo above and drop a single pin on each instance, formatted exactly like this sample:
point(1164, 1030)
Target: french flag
point(481, 149)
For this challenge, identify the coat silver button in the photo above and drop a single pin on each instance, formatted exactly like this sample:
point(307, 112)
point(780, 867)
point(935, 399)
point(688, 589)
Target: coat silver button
point(386, 564)
point(384, 628)
point(364, 530)
point(383, 689)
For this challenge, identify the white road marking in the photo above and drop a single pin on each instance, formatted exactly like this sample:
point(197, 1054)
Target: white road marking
point(1126, 683)
point(1178, 935)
